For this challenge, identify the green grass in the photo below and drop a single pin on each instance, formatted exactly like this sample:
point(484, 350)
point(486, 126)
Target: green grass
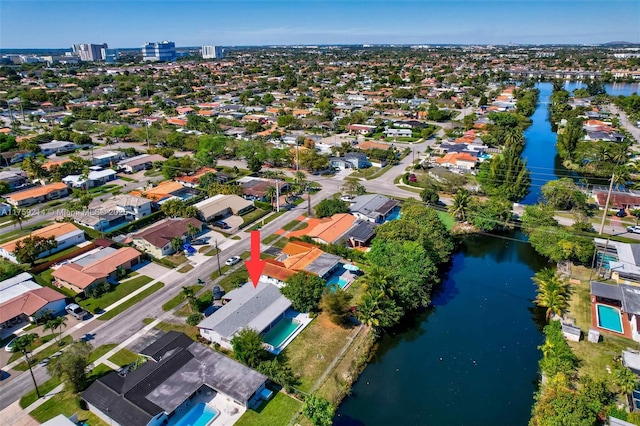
point(273, 217)
point(123, 357)
point(65, 403)
point(281, 243)
point(271, 238)
point(279, 411)
point(289, 226)
point(36, 358)
point(8, 236)
point(187, 329)
point(56, 255)
point(127, 179)
point(100, 350)
point(312, 351)
point(447, 219)
point(185, 268)
point(175, 301)
point(228, 283)
point(95, 305)
point(253, 216)
point(46, 387)
point(129, 303)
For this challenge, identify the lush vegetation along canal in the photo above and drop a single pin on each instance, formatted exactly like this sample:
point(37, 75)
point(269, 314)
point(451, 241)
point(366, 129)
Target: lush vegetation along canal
point(472, 359)
point(540, 147)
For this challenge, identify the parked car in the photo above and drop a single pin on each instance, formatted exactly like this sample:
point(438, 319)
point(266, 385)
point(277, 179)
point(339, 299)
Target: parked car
point(233, 260)
point(76, 311)
point(635, 229)
point(621, 213)
point(45, 362)
point(9, 347)
point(221, 224)
point(217, 292)
point(346, 198)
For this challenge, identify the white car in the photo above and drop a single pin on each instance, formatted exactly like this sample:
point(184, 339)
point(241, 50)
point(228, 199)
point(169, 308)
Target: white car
point(233, 260)
point(9, 347)
point(635, 229)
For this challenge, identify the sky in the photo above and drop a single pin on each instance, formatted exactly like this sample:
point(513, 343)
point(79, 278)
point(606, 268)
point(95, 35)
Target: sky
point(131, 23)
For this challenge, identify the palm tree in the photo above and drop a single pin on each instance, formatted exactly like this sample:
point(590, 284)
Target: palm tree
point(553, 292)
point(270, 193)
point(189, 294)
point(625, 379)
point(50, 325)
point(369, 311)
point(57, 323)
point(514, 138)
point(18, 216)
point(23, 344)
point(192, 230)
point(460, 204)
point(378, 278)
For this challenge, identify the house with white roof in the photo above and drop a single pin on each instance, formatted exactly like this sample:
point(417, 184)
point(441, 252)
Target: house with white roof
point(93, 179)
point(57, 147)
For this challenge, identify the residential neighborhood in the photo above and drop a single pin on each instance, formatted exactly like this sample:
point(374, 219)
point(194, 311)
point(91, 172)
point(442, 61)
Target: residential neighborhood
point(229, 234)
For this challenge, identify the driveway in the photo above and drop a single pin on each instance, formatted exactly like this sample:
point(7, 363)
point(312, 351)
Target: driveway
point(152, 270)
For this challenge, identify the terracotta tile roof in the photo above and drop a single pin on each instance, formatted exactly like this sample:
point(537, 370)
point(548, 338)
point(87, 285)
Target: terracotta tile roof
point(28, 303)
point(37, 191)
point(163, 190)
point(49, 164)
point(301, 255)
point(84, 276)
point(195, 178)
point(277, 270)
point(177, 121)
point(331, 229)
point(371, 145)
point(55, 230)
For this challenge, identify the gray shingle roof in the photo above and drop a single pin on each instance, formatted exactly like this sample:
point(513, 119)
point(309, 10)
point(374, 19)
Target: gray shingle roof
point(248, 307)
point(372, 205)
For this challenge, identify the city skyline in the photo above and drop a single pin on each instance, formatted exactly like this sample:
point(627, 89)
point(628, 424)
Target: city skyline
point(60, 24)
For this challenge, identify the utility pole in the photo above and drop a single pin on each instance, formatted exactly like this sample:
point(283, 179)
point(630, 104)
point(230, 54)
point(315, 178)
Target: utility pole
point(277, 196)
point(308, 199)
point(218, 257)
point(606, 205)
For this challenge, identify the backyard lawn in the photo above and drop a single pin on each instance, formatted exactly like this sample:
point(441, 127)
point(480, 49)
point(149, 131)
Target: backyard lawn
point(95, 305)
point(313, 350)
point(279, 411)
point(123, 357)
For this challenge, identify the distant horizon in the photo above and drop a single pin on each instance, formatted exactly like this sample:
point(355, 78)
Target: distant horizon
point(62, 23)
point(364, 45)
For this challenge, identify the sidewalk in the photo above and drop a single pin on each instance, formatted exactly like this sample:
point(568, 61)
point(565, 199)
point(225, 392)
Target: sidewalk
point(95, 317)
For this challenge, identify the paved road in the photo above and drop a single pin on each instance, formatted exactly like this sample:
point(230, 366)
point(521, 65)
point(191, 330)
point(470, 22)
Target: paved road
point(624, 120)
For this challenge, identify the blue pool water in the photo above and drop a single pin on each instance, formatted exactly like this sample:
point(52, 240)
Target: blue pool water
point(394, 215)
point(281, 332)
point(609, 318)
point(336, 280)
point(198, 415)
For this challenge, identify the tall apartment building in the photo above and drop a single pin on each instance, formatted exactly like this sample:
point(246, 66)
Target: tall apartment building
point(110, 55)
point(90, 52)
point(165, 51)
point(212, 52)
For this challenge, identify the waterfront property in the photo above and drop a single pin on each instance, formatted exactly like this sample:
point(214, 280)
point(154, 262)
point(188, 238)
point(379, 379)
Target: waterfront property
point(66, 234)
point(616, 309)
point(620, 260)
point(257, 308)
point(372, 207)
point(169, 387)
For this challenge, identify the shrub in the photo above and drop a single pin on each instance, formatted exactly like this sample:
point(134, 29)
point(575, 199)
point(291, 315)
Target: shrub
point(194, 319)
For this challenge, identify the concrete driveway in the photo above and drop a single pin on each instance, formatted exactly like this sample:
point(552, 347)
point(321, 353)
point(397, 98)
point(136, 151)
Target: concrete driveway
point(152, 270)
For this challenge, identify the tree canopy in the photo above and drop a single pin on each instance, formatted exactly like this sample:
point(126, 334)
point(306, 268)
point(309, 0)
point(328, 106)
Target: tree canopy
point(304, 290)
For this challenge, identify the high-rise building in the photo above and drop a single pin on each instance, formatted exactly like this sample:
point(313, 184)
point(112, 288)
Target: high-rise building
point(110, 55)
point(90, 52)
point(212, 52)
point(165, 51)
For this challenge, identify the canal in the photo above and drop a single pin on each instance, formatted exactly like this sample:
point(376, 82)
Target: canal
point(472, 359)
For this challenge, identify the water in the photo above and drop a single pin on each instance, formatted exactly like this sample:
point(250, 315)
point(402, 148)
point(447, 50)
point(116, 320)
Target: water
point(540, 148)
point(614, 89)
point(472, 359)
point(198, 415)
point(609, 318)
point(282, 330)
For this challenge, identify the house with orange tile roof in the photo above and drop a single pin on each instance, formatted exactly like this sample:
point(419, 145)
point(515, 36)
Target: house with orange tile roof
point(330, 229)
point(38, 194)
point(458, 160)
point(367, 145)
point(97, 266)
point(163, 191)
point(65, 233)
point(176, 121)
point(55, 163)
point(31, 305)
point(298, 256)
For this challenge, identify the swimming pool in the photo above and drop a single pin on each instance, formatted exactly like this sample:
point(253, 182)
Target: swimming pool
point(337, 280)
point(609, 318)
point(394, 215)
point(198, 415)
point(281, 332)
